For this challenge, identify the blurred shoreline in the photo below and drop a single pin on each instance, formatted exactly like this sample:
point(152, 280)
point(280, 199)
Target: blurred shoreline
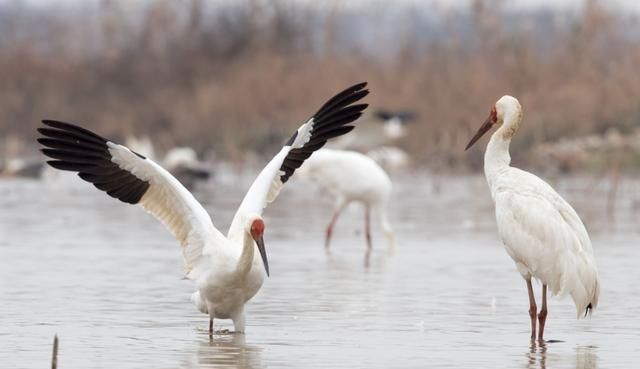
point(234, 78)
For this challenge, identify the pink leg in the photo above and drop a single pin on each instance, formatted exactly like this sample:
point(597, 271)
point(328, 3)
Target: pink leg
point(367, 225)
point(542, 316)
point(532, 309)
point(334, 218)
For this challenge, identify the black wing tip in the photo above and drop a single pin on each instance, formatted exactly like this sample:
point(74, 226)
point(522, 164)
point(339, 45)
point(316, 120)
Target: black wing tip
point(56, 123)
point(43, 132)
point(356, 91)
point(360, 94)
point(76, 149)
point(60, 165)
point(342, 100)
point(70, 128)
point(362, 107)
point(588, 310)
point(333, 119)
point(359, 86)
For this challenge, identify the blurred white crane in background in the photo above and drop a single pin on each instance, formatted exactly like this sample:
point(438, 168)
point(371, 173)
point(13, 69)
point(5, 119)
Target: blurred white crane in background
point(350, 176)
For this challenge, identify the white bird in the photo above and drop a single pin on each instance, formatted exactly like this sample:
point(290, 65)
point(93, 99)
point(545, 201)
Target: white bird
point(389, 127)
point(350, 176)
point(22, 167)
point(183, 163)
point(394, 122)
point(226, 270)
point(390, 158)
point(540, 231)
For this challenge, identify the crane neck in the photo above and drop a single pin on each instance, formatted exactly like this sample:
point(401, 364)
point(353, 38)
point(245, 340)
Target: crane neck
point(245, 262)
point(497, 153)
point(497, 158)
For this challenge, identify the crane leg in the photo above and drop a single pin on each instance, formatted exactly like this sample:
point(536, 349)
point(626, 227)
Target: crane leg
point(338, 209)
point(542, 316)
point(367, 225)
point(386, 227)
point(532, 309)
point(210, 327)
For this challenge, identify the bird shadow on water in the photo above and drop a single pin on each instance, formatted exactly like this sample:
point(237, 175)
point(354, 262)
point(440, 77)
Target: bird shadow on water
point(542, 355)
point(226, 351)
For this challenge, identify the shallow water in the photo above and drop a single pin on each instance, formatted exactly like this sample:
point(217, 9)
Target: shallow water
point(107, 278)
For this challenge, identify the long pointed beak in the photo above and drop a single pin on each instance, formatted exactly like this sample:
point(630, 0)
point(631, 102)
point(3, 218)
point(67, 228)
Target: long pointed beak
point(486, 126)
point(263, 254)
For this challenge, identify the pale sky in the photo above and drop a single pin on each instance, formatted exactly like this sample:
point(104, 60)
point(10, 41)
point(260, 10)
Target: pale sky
point(625, 5)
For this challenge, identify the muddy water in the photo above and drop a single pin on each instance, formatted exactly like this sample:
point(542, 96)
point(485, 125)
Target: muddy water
point(107, 279)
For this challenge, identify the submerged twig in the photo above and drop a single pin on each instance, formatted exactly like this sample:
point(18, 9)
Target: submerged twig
point(54, 355)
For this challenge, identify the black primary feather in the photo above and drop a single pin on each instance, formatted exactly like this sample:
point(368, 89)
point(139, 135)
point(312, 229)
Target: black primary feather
point(588, 310)
point(77, 149)
point(330, 121)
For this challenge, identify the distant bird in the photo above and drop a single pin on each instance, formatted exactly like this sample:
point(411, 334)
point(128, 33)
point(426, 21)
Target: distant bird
point(386, 129)
point(539, 229)
point(226, 270)
point(350, 176)
point(183, 163)
point(390, 157)
point(22, 167)
point(394, 121)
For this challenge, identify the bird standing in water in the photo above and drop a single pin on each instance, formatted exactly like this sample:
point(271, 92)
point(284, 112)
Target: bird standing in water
point(540, 231)
point(351, 176)
point(227, 270)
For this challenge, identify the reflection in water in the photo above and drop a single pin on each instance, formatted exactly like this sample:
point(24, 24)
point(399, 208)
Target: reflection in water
point(534, 356)
point(537, 357)
point(367, 257)
point(586, 357)
point(227, 351)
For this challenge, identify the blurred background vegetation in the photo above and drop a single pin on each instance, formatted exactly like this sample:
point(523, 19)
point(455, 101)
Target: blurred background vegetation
point(231, 75)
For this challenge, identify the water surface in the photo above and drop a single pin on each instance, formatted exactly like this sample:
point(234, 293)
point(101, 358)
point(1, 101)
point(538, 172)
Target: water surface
point(107, 278)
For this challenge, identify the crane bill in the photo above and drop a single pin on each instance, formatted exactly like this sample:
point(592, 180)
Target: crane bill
point(486, 126)
point(263, 254)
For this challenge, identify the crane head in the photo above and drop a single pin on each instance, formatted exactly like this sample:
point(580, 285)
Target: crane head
point(506, 110)
point(485, 127)
point(257, 231)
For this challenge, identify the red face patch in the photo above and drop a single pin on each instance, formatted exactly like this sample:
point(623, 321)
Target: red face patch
point(493, 116)
point(257, 228)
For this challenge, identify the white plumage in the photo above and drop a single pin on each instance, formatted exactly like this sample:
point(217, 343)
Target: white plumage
point(172, 204)
point(351, 176)
point(226, 270)
point(390, 158)
point(540, 231)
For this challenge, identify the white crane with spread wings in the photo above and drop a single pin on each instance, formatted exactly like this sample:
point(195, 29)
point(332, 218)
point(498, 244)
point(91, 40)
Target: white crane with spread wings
point(226, 269)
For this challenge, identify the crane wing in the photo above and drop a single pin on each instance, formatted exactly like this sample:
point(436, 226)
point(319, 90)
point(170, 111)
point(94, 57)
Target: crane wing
point(330, 121)
point(133, 179)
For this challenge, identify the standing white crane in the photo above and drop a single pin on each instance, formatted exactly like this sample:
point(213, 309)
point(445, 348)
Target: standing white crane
point(226, 270)
point(350, 176)
point(540, 231)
